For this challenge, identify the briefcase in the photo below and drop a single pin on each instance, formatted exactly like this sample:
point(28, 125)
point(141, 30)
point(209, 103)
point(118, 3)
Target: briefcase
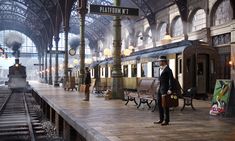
point(170, 100)
point(82, 88)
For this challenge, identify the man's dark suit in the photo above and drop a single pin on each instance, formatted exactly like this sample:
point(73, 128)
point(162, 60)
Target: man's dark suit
point(166, 80)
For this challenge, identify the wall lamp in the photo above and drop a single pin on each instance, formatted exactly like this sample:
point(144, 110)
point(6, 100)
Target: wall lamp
point(231, 63)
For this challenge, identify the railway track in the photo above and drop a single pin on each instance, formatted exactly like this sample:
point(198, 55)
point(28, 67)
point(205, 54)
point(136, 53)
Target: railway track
point(18, 120)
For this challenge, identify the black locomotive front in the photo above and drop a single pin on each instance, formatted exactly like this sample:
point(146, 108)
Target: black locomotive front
point(17, 77)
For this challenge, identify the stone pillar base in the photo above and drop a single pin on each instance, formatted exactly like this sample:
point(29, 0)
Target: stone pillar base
point(117, 88)
point(56, 85)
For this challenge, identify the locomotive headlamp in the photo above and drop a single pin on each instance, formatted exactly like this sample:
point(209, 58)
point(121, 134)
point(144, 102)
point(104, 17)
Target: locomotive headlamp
point(17, 65)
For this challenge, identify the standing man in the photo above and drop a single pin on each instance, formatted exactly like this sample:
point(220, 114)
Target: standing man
point(87, 83)
point(166, 81)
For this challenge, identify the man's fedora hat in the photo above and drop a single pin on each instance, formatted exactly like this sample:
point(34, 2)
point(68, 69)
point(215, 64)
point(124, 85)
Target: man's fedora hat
point(162, 58)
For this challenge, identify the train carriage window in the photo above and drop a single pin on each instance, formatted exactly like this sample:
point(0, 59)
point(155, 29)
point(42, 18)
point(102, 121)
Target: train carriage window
point(200, 69)
point(106, 72)
point(144, 70)
point(102, 71)
point(93, 72)
point(111, 71)
point(133, 70)
point(125, 71)
point(180, 65)
point(155, 69)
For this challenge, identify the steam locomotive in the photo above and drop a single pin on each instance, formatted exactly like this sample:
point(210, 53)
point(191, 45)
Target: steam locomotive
point(17, 77)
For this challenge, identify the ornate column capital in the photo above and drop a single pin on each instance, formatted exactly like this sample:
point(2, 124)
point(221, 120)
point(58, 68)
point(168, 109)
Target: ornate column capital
point(66, 28)
point(56, 38)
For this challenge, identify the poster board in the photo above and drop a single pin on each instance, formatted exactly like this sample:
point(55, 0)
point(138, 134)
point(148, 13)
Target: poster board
point(221, 96)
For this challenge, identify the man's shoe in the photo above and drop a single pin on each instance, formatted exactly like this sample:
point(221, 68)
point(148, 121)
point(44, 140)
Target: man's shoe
point(85, 99)
point(165, 123)
point(158, 122)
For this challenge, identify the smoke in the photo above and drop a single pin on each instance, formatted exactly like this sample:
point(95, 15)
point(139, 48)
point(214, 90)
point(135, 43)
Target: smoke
point(14, 42)
point(74, 42)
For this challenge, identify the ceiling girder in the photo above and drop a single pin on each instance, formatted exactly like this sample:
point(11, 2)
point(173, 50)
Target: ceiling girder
point(142, 4)
point(32, 18)
point(7, 21)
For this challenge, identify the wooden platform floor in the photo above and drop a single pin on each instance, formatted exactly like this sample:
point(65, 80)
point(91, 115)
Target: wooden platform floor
point(117, 122)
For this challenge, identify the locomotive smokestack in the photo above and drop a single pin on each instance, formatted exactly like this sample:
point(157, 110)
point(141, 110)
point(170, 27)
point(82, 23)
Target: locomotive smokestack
point(17, 62)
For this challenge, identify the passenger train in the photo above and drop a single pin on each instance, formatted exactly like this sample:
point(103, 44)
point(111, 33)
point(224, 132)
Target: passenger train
point(193, 64)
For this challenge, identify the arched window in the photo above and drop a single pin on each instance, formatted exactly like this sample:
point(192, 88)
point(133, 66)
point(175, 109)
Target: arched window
point(199, 20)
point(223, 13)
point(139, 39)
point(177, 27)
point(149, 36)
point(162, 31)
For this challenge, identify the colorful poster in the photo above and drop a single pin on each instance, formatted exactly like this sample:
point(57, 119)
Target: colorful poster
point(221, 96)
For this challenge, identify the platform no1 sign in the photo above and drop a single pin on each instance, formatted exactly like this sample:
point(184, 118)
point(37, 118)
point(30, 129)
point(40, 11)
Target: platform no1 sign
point(113, 10)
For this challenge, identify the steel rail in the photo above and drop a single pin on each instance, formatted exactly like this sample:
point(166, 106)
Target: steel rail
point(32, 137)
point(5, 103)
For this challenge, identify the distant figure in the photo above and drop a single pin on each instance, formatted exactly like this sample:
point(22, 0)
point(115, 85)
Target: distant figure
point(166, 81)
point(87, 83)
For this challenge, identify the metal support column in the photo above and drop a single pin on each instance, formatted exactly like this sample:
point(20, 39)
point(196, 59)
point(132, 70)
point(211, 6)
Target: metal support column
point(50, 65)
point(66, 54)
point(117, 84)
point(46, 69)
point(56, 83)
point(82, 11)
point(40, 67)
point(42, 60)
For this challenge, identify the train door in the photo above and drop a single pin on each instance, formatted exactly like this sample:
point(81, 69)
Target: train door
point(180, 69)
point(202, 74)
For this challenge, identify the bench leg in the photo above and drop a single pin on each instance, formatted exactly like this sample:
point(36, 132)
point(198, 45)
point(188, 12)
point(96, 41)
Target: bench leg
point(135, 102)
point(192, 105)
point(155, 106)
point(148, 104)
point(139, 104)
point(183, 106)
point(128, 99)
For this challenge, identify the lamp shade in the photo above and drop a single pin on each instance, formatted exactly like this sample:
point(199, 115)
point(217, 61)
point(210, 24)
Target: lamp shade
point(107, 52)
point(166, 40)
point(127, 52)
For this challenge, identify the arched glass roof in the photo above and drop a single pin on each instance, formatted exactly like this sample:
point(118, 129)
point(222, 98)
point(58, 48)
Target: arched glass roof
point(40, 19)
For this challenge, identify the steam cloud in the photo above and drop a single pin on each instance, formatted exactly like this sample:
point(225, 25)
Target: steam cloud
point(14, 42)
point(74, 42)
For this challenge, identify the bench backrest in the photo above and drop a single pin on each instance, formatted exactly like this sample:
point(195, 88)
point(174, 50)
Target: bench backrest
point(145, 84)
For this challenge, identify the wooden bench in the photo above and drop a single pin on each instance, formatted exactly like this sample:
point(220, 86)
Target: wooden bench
point(149, 95)
point(145, 92)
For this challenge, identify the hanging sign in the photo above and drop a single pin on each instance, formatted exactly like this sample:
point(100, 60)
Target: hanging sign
point(113, 10)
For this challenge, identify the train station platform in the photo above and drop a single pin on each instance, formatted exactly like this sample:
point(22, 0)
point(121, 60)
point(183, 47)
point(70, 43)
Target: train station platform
point(103, 120)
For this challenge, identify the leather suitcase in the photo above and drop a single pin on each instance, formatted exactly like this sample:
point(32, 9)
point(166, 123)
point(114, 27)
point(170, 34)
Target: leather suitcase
point(170, 100)
point(82, 88)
